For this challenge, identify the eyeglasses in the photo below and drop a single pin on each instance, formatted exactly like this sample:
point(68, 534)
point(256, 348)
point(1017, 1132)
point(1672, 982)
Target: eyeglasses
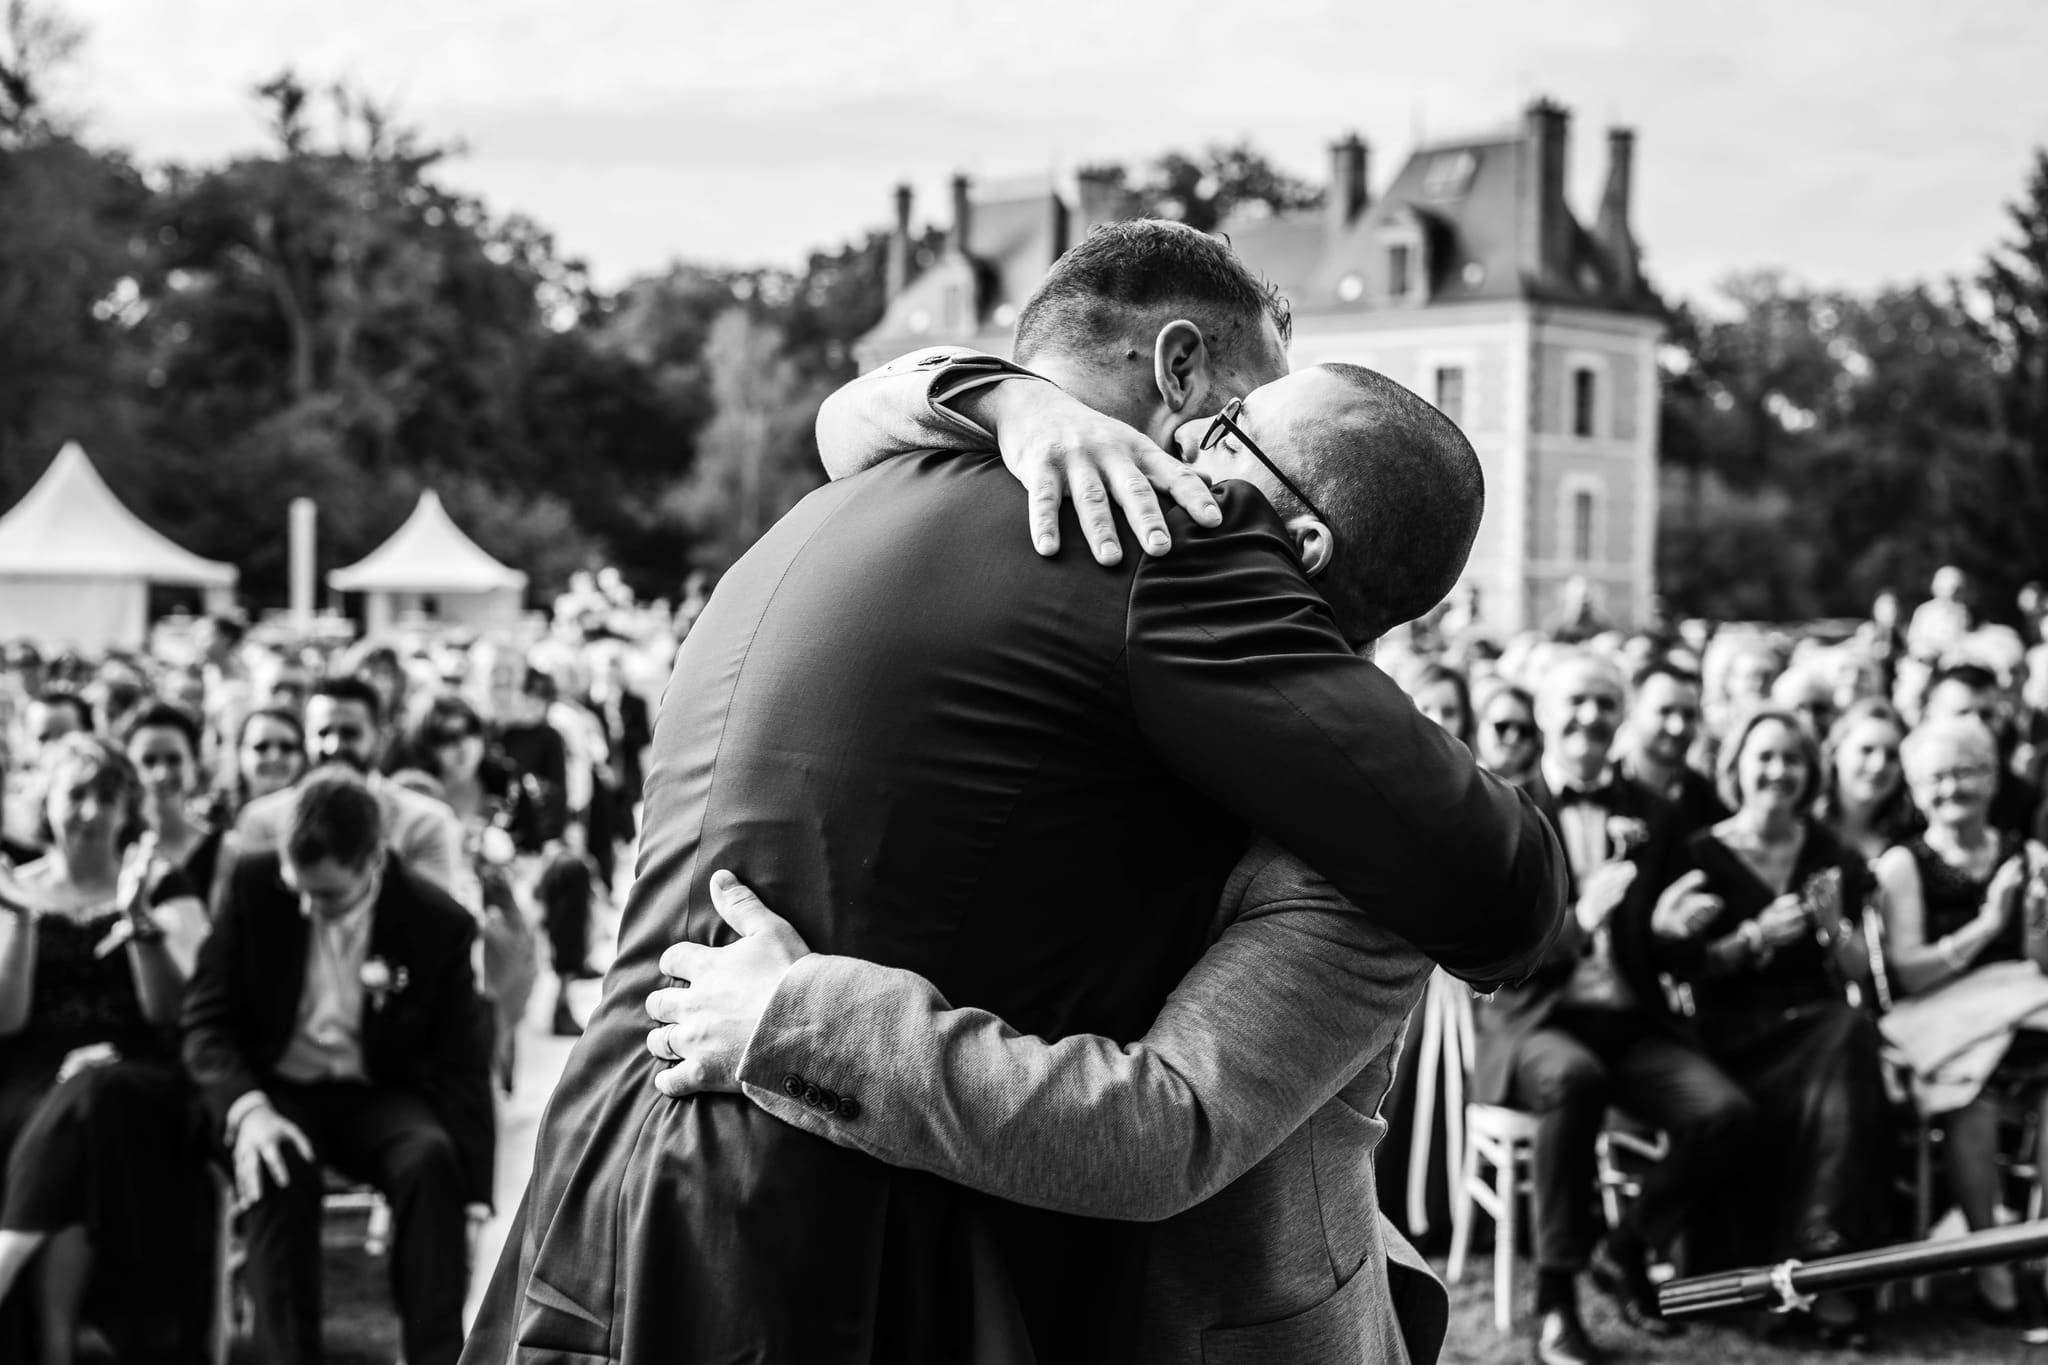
point(1226, 420)
point(1512, 729)
point(275, 746)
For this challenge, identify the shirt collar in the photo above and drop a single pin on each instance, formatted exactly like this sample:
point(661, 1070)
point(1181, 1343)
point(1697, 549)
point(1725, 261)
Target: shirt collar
point(1561, 783)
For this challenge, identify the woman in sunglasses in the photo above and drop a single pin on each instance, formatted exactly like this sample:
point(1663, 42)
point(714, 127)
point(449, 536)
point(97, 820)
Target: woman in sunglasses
point(1505, 739)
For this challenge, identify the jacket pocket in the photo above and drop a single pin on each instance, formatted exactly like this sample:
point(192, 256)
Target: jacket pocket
point(1354, 1326)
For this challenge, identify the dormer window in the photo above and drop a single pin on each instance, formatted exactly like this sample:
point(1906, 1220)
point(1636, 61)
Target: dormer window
point(1398, 280)
point(1449, 174)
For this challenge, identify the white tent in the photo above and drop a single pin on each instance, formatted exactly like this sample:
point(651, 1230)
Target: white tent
point(76, 565)
point(430, 567)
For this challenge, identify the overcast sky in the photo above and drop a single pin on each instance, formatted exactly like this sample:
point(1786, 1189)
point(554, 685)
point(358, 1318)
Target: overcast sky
point(1853, 144)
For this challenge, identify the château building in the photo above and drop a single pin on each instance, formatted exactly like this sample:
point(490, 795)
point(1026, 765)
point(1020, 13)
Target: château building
point(1467, 278)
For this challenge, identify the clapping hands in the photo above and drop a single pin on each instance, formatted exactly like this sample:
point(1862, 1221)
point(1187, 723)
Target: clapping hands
point(1685, 910)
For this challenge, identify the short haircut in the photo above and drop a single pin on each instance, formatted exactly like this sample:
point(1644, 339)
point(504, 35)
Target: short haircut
point(1663, 668)
point(1728, 771)
point(1976, 677)
point(229, 629)
point(1404, 492)
point(347, 687)
point(1126, 280)
point(1966, 733)
point(161, 715)
point(335, 818)
point(64, 696)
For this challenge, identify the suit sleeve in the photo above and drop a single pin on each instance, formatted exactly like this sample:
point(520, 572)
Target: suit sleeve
point(1243, 686)
point(215, 997)
point(901, 407)
point(1280, 1013)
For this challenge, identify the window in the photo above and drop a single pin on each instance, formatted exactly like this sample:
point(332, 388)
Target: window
point(1585, 392)
point(1450, 392)
point(1582, 526)
point(1397, 271)
point(1449, 174)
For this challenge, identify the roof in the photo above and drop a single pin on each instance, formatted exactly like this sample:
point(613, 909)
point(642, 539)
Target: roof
point(429, 554)
point(71, 525)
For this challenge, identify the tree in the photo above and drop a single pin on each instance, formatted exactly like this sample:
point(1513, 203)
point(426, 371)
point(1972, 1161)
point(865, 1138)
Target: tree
point(34, 44)
point(1204, 191)
point(759, 455)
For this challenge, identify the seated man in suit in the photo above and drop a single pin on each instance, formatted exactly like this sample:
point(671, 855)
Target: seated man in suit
point(1663, 721)
point(1285, 1032)
point(333, 1018)
point(342, 717)
point(1591, 1027)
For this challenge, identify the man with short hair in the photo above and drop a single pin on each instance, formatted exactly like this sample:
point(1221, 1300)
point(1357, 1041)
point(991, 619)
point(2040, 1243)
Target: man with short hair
point(1285, 1032)
point(1663, 721)
point(342, 730)
point(1030, 788)
point(333, 1018)
point(1591, 1027)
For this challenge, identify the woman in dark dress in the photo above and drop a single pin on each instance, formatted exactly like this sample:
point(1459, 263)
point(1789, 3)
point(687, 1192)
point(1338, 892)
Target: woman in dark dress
point(1769, 977)
point(163, 744)
point(103, 1145)
point(1960, 897)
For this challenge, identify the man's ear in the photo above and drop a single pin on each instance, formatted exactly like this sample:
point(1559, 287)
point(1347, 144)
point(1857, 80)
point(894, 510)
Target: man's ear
point(1180, 364)
point(1314, 542)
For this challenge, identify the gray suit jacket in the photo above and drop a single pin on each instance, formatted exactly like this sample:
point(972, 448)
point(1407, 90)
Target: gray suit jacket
point(1290, 1024)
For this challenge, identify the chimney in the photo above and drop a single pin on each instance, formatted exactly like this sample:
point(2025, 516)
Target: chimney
point(1100, 198)
point(897, 271)
point(1545, 226)
point(1348, 189)
point(1612, 230)
point(963, 216)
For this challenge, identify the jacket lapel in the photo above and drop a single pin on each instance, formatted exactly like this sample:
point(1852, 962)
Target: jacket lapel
point(388, 945)
point(280, 959)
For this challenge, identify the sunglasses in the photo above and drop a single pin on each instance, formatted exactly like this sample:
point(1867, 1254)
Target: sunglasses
point(448, 738)
point(1512, 729)
point(1226, 421)
point(275, 746)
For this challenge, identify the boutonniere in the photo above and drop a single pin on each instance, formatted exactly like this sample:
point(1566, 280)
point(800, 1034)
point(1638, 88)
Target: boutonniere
point(1625, 834)
point(382, 980)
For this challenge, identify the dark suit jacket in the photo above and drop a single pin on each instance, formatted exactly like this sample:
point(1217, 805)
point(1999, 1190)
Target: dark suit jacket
point(1517, 1011)
point(1027, 780)
point(430, 1038)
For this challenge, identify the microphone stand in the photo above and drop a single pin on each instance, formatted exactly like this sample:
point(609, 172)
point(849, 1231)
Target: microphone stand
point(1793, 1285)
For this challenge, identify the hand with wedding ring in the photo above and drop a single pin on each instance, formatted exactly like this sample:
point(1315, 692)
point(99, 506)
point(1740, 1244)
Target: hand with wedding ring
point(705, 1023)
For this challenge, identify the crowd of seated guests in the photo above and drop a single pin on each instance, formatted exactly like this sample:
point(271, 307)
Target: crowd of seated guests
point(267, 914)
point(1810, 922)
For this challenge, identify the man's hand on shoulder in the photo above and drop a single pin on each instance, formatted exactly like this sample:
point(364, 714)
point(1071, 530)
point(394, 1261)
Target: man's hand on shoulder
point(1059, 447)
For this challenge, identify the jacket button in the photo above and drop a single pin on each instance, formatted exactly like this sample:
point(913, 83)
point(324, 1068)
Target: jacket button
point(828, 1102)
point(793, 1086)
point(849, 1107)
point(812, 1094)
